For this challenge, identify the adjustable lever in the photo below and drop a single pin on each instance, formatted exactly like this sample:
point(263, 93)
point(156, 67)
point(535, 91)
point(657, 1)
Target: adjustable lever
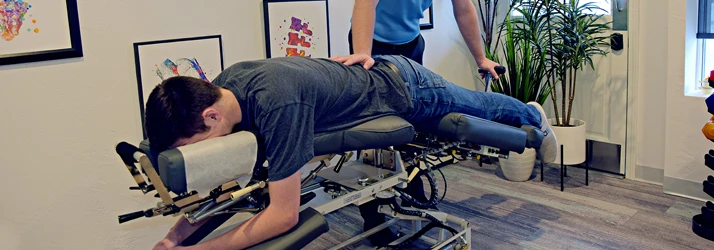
point(135, 215)
point(130, 216)
point(313, 173)
point(342, 160)
point(242, 192)
point(145, 189)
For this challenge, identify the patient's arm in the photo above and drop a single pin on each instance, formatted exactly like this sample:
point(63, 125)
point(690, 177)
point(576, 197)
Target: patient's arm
point(178, 233)
point(280, 216)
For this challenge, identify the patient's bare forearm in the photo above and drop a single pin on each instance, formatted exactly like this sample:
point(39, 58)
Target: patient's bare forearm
point(182, 229)
point(363, 18)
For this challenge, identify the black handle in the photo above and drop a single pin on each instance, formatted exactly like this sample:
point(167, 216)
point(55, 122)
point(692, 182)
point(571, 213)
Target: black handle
point(305, 198)
point(144, 188)
point(126, 152)
point(616, 42)
point(499, 70)
point(339, 165)
point(343, 159)
point(130, 216)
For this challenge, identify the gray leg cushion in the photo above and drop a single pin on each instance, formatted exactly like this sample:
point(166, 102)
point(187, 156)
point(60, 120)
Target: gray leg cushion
point(462, 127)
point(310, 226)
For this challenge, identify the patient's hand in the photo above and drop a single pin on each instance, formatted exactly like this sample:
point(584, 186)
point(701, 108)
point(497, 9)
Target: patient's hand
point(165, 244)
point(366, 60)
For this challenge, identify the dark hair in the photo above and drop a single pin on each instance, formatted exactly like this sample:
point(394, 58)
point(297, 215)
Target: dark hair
point(174, 108)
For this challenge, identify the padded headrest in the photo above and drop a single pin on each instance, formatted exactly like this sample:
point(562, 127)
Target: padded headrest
point(207, 164)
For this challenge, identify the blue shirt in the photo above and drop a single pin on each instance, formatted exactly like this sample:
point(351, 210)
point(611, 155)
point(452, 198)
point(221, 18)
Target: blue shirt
point(397, 21)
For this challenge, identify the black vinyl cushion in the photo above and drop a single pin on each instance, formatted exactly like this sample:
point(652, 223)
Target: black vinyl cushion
point(310, 226)
point(169, 165)
point(378, 133)
point(462, 127)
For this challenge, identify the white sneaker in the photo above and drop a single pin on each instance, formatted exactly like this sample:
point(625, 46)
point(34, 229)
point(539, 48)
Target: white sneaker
point(549, 148)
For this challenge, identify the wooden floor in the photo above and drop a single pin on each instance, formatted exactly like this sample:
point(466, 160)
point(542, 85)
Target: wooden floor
point(610, 213)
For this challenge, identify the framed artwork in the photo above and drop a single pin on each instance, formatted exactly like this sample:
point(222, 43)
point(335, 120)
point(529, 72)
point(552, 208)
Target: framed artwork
point(427, 22)
point(297, 28)
point(38, 30)
point(200, 57)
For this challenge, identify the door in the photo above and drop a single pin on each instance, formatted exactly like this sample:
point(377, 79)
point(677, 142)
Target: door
point(601, 96)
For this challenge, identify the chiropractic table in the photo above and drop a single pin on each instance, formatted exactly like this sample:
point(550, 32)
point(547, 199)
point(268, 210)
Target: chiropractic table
point(212, 180)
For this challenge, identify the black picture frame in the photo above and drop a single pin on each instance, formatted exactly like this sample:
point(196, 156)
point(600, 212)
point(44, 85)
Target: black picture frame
point(427, 24)
point(137, 63)
point(266, 23)
point(46, 55)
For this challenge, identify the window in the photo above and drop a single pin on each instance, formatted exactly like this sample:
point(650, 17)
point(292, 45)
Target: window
point(705, 24)
point(705, 60)
point(705, 41)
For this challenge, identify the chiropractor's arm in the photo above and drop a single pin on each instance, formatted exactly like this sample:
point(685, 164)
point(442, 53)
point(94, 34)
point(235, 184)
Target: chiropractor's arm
point(467, 20)
point(280, 216)
point(363, 18)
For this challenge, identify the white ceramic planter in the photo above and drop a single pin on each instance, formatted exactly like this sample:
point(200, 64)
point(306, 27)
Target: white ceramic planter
point(519, 167)
point(573, 140)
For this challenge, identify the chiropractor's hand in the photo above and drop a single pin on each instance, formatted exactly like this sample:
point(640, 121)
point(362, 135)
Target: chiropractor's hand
point(366, 60)
point(489, 65)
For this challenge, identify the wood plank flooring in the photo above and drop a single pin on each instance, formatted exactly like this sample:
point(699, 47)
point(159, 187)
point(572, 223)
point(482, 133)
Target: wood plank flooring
point(610, 213)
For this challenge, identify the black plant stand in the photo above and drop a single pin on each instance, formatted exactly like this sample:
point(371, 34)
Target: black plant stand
point(564, 168)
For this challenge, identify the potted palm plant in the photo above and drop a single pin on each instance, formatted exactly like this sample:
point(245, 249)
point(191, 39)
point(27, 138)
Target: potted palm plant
point(577, 37)
point(523, 52)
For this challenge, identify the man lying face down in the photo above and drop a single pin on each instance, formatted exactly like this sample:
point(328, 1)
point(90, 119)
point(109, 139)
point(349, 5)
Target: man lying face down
point(288, 100)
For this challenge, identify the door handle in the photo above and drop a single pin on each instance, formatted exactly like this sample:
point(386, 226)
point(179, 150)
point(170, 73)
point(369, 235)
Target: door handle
point(618, 4)
point(616, 42)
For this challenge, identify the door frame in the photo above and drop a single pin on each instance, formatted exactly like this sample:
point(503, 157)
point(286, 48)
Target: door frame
point(633, 75)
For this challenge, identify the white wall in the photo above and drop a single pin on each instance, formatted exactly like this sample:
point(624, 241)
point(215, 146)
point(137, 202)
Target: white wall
point(669, 133)
point(653, 74)
point(63, 184)
point(685, 143)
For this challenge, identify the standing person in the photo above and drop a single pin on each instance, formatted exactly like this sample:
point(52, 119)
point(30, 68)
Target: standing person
point(391, 27)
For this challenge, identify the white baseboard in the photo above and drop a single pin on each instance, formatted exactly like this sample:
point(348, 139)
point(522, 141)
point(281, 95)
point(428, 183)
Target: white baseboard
point(649, 175)
point(685, 188)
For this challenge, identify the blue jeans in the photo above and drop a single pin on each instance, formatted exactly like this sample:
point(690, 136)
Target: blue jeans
point(433, 96)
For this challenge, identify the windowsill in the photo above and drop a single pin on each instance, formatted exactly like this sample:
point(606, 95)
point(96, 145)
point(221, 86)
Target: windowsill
point(700, 92)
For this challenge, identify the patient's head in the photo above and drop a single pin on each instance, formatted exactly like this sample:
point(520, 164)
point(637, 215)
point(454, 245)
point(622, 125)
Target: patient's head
point(184, 110)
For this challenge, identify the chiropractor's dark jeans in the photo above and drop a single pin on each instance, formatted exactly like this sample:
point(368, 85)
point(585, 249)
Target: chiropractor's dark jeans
point(413, 50)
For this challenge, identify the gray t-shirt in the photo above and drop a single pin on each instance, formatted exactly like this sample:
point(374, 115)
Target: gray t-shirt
point(288, 100)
